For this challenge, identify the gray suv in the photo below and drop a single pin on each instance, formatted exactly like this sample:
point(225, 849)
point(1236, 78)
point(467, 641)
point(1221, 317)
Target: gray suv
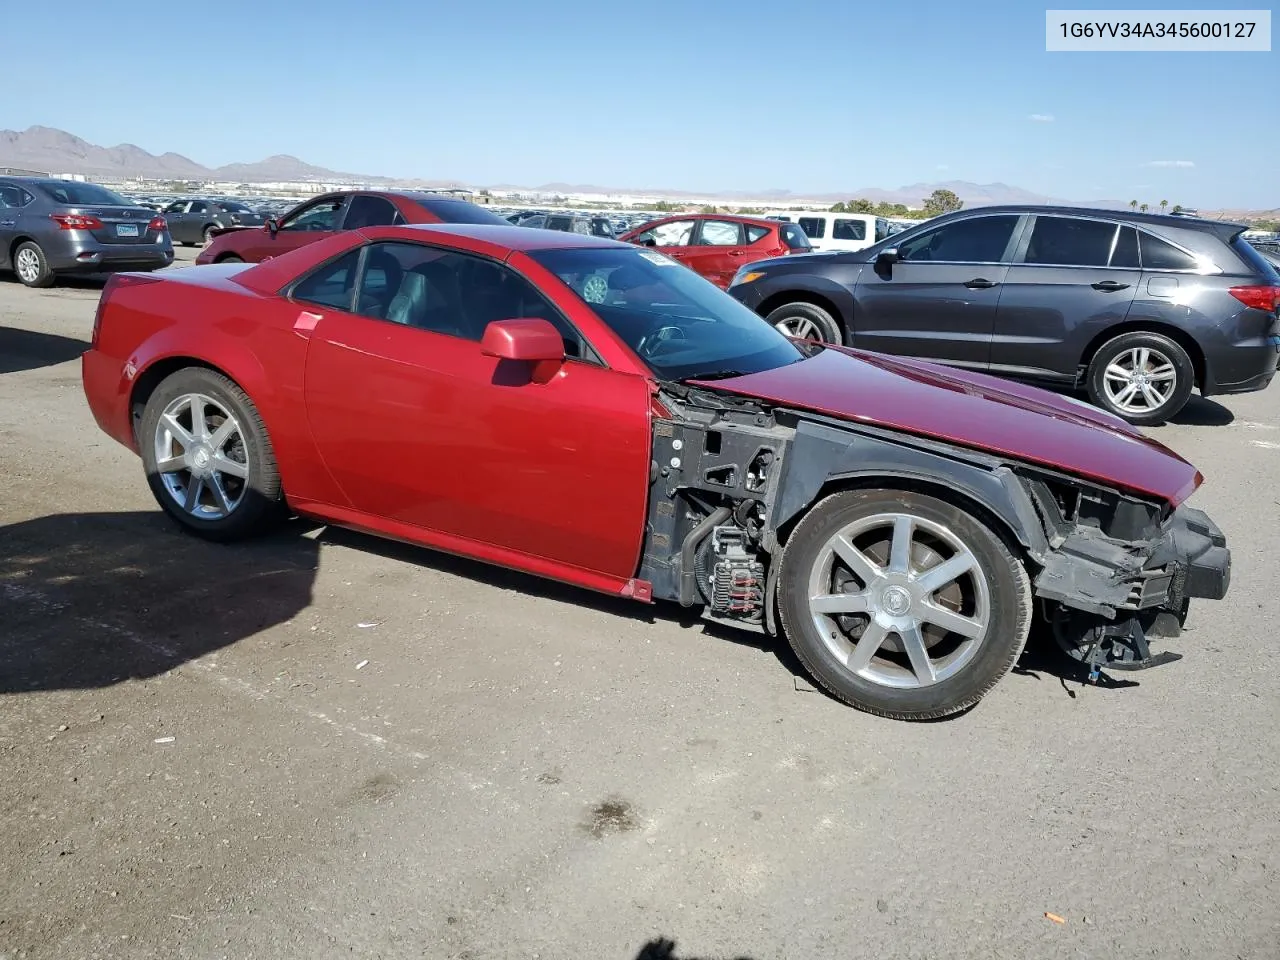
point(50, 227)
point(1136, 309)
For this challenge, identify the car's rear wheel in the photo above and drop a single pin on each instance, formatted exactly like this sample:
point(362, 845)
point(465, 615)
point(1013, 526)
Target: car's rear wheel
point(901, 604)
point(208, 457)
point(1142, 377)
point(807, 321)
point(31, 265)
point(230, 258)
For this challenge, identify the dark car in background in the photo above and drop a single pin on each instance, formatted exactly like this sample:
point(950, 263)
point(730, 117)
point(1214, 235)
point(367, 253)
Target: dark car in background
point(50, 227)
point(717, 245)
point(589, 225)
point(199, 221)
point(331, 213)
point(1137, 309)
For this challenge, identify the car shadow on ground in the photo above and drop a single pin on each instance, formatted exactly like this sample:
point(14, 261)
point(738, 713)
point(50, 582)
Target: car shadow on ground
point(30, 349)
point(1203, 412)
point(94, 599)
point(662, 948)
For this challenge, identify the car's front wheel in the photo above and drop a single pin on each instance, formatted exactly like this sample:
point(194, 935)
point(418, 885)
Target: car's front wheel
point(901, 604)
point(208, 457)
point(806, 321)
point(1142, 377)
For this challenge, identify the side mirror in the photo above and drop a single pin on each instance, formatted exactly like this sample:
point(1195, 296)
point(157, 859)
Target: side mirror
point(527, 339)
point(887, 258)
point(273, 226)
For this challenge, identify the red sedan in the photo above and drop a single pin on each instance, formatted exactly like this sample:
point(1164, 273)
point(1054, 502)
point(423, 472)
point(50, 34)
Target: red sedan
point(585, 410)
point(717, 245)
point(332, 212)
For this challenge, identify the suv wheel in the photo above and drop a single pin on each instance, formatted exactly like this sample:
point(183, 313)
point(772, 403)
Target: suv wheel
point(1142, 377)
point(902, 604)
point(807, 321)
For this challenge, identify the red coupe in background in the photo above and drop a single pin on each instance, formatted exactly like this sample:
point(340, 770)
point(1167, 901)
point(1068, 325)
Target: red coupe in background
point(332, 212)
point(585, 410)
point(717, 245)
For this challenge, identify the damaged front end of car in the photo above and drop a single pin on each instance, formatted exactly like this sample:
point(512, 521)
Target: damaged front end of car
point(731, 476)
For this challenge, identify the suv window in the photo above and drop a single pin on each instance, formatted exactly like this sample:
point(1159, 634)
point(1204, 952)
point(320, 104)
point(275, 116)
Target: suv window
point(849, 230)
point(451, 293)
point(675, 234)
point(367, 211)
point(199, 206)
point(882, 229)
point(178, 206)
point(755, 234)
point(319, 216)
point(720, 233)
point(330, 284)
point(814, 227)
point(1068, 242)
point(975, 240)
point(795, 238)
point(1158, 254)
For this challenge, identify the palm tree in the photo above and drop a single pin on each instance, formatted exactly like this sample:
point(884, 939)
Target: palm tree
point(1143, 208)
point(1133, 204)
point(1163, 204)
point(1177, 208)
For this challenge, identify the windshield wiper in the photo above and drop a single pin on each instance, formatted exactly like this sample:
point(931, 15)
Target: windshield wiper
point(716, 375)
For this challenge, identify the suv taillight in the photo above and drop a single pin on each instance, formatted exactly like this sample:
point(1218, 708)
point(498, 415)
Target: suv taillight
point(75, 221)
point(157, 223)
point(1260, 297)
point(114, 282)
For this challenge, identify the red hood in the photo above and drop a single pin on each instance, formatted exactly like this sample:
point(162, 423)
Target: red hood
point(974, 410)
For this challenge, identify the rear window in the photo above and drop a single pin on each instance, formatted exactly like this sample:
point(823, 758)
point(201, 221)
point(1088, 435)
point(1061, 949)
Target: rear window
point(815, 227)
point(460, 211)
point(795, 238)
point(81, 193)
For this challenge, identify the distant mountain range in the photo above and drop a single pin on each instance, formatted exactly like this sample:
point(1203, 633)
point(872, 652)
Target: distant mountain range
point(55, 151)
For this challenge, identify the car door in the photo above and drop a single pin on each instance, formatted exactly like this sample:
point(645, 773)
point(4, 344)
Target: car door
point(312, 221)
point(718, 249)
point(175, 215)
point(674, 238)
point(422, 430)
point(938, 300)
point(1072, 278)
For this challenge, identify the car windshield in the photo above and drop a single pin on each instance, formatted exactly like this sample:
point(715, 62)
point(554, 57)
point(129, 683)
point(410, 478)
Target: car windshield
point(78, 193)
point(681, 325)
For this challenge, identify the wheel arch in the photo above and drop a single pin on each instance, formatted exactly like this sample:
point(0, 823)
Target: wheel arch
point(146, 382)
point(17, 242)
point(827, 300)
point(1178, 336)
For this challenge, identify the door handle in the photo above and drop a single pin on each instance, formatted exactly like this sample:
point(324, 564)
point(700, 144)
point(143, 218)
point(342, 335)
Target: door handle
point(737, 253)
point(979, 283)
point(7, 223)
point(1110, 285)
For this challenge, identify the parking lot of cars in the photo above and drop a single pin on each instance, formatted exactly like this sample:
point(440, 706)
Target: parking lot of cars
point(388, 752)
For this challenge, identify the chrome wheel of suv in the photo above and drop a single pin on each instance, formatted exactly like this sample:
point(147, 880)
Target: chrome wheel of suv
point(1140, 380)
point(1142, 377)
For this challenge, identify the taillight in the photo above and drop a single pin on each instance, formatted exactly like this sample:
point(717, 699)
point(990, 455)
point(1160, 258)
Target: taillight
point(115, 282)
point(157, 223)
point(1260, 297)
point(75, 221)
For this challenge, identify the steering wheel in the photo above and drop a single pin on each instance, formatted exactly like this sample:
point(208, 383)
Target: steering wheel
point(653, 343)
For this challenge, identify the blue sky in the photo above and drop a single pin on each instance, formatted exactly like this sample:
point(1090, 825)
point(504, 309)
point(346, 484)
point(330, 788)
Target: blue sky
point(808, 95)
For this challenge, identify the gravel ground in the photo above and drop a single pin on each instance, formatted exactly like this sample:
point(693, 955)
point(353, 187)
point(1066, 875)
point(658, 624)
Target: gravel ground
point(323, 745)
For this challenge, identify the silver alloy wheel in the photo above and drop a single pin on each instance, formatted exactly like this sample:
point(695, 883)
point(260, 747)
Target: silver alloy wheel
point(917, 592)
point(27, 265)
point(201, 456)
point(801, 327)
point(1140, 380)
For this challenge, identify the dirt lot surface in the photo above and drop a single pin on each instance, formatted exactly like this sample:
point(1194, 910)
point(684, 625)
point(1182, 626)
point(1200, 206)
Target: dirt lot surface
point(323, 745)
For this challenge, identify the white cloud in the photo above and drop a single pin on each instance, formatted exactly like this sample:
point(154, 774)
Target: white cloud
point(1041, 117)
point(1170, 163)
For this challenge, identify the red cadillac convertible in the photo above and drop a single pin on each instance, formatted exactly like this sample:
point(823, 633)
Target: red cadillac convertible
point(589, 411)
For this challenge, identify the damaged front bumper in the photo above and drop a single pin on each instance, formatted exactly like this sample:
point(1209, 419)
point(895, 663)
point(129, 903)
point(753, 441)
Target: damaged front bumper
point(1110, 597)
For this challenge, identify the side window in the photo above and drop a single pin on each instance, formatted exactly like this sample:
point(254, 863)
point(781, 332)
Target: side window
point(849, 230)
point(882, 229)
point(10, 195)
point(322, 216)
point(199, 206)
point(675, 234)
point(1159, 255)
point(178, 206)
point(973, 240)
point(755, 234)
point(1125, 253)
point(452, 293)
point(1065, 241)
point(814, 227)
point(367, 211)
point(27, 198)
point(720, 233)
point(330, 284)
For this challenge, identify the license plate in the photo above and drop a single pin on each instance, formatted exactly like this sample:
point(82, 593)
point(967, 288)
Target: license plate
point(126, 229)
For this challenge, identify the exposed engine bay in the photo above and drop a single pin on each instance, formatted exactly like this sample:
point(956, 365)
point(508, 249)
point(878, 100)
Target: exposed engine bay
point(731, 476)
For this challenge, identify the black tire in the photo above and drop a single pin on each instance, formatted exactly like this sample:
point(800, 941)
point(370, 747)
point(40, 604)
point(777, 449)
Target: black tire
point(230, 258)
point(43, 277)
point(261, 503)
point(1164, 352)
point(1009, 608)
point(803, 314)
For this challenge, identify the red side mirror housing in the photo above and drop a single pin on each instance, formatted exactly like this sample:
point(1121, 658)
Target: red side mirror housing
point(527, 339)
